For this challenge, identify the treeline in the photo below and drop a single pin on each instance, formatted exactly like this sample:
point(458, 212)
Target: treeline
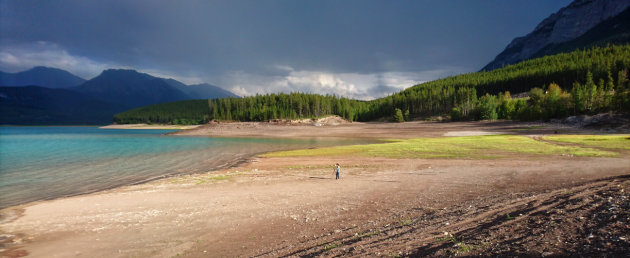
point(461, 91)
point(595, 79)
point(554, 102)
point(253, 108)
point(287, 106)
point(187, 112)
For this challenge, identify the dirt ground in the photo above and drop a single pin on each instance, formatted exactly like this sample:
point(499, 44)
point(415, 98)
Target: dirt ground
point(521, 206)
point(377, 130)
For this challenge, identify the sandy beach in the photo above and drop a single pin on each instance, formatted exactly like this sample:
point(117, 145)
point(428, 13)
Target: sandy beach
point(293, 206)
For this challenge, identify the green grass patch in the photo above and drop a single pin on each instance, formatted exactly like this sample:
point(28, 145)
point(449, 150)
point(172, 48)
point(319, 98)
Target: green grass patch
point(475, 147)
point(601, 141)
point(368, 234)
point(210, 179)
point(458, 243)
point(405, 222)
point(463, 248)
point(332, 246)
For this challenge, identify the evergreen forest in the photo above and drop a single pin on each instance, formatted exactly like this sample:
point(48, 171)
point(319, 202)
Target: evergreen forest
point(580, 82)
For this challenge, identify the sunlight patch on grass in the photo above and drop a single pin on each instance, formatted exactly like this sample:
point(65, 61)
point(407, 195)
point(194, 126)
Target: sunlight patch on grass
point(336, 151)
point(601, 141)
point(476, 147)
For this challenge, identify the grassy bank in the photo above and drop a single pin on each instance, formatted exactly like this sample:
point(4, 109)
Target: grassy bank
point(600, 141)
point(474, 147)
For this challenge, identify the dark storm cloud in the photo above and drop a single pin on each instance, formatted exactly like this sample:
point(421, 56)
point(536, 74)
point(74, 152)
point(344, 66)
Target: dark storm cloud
point(210, 39)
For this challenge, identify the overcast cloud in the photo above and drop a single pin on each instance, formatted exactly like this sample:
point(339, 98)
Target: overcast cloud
point(359, 49)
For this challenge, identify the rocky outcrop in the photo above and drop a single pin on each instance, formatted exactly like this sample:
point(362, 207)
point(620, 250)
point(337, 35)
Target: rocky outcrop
point(567, 24)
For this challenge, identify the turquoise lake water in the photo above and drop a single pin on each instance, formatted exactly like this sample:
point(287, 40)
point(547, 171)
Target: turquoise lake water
point(38, 163)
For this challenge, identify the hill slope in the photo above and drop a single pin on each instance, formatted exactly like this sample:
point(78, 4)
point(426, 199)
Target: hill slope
point(615, 30)
point(41, 76)
point(201, 91)
point(565, 25)
point(207, 91)
point(130, 88)
point(34, 105)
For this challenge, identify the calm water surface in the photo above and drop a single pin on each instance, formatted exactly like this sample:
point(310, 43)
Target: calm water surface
point(38, 163)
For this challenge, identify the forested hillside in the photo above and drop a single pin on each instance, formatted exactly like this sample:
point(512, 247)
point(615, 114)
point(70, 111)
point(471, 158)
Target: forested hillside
point(34, 105)
point(440, 96)
point(596, 80)
point(255, 108)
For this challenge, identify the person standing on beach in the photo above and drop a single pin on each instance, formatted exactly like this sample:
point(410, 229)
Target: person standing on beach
point(337, 170)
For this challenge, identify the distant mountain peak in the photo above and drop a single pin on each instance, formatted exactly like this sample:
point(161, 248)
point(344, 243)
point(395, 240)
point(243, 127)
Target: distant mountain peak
point(567, 24)
point(135, 89)
point(92, 101)
point(41, 76)
point(129, 72)
point(44, 68)
point(130, 88)
point(120, 70)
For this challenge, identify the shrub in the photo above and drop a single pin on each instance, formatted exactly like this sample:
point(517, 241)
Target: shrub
point(456, 114)
point(398, 116)
point(487, 107)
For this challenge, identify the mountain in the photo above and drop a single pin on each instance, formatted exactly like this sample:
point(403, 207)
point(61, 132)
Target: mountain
point(563, 26)
point(41, 76)
point(90, 102)
point(175, 84)
point(34, 105)
point(207, 91)
point(201, 91)
point(135, 89)
point(615, 30)
point(130, 88)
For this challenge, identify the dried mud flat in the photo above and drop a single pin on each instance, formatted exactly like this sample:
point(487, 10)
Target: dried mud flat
point(525, 205)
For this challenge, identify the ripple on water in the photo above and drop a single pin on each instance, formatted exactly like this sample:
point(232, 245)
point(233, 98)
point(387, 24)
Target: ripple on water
point(38, 163)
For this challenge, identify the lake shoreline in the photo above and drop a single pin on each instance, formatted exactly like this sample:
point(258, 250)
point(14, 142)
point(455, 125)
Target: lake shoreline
point(96, 159)
point(237, 163)
point(282, 206)
point(149, 126)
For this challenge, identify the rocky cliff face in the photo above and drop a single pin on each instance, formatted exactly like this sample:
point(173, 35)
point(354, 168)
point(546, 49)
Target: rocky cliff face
point(568, 23)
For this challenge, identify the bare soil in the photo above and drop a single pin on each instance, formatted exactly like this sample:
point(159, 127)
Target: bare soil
point(520, 206)
point(329, 127)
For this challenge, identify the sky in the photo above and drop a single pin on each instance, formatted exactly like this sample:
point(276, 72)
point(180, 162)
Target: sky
point(360, 49)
